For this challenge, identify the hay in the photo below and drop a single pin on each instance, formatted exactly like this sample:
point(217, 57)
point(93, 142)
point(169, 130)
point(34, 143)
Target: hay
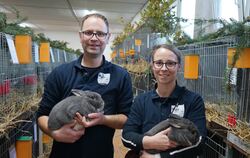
point(141, 66)
point(219, 114)
point(141, 75)
point(16, 110)
point(46, 150)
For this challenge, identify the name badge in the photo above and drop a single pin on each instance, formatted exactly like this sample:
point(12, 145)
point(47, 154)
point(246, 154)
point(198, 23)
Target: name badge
point(178, 110)
point(103, 79)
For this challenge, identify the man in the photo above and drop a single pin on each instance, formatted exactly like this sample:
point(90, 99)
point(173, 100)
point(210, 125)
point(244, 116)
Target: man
point(90, 72)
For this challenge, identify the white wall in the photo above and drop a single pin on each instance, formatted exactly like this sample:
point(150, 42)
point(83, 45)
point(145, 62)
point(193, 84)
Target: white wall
point(73, 39)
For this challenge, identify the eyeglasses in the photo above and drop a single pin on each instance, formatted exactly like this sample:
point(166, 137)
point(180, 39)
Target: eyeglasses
point(158, 64)
point(98, 34)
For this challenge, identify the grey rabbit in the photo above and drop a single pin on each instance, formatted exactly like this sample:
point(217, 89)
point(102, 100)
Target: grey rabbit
point(84, 102)
point(183, 131)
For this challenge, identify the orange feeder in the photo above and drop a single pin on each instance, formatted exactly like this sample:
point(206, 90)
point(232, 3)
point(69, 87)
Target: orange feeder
point(24, 147)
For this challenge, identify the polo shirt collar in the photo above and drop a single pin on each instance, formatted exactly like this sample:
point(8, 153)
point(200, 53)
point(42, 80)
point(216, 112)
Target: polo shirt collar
point(79, 61)
point(174, 95)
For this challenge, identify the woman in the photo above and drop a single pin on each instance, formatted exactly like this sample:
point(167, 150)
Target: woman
point(156, 105)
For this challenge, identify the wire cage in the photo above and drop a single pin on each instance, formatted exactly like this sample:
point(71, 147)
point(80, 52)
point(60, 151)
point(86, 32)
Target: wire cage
point(18, 83)
point(70, 57)
point(5, 82)
point(15, 78)
point(213, 75)
point(61, 58)
point(54, 57)
point(215, 146)
point(28, 128)
point(211, 83)
point(212, 70)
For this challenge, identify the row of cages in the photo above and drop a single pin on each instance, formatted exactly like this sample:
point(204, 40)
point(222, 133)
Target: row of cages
point(21, 86)
point(205, 69)
point(210, 81)
point(136, 47)
point(26, 78)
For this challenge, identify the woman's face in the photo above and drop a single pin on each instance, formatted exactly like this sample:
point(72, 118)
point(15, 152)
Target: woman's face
point(165, 66)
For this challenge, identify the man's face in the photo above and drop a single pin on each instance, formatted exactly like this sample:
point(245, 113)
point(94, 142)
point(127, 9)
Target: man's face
point(94, 36)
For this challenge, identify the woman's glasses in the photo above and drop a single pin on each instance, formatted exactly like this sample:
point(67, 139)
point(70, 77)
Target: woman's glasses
point(158, 64)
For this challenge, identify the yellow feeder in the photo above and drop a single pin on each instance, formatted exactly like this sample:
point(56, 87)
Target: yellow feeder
point(191, 67)
point(44, 54)
point(122, 55)
point(23, 44)
point(244, 58)
point(131, 52)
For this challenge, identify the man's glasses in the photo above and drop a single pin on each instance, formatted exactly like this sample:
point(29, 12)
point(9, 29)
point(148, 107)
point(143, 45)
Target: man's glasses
point(158, 64)
point(99, 34)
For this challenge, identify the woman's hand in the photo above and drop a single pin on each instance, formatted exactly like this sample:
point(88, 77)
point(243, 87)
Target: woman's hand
point(145, 154)
point(159, 141)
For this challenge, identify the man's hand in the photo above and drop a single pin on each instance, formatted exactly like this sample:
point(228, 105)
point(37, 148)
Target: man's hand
point(92, 119)
point(67, 134)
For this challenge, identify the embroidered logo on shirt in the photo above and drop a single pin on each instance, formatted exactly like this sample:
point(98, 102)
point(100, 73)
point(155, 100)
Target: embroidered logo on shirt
point(103, 79)
point(178, 109)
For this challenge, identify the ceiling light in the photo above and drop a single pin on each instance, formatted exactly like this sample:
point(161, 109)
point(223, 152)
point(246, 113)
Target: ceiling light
point(84, 12)
point(4, 10)
point(27, 25)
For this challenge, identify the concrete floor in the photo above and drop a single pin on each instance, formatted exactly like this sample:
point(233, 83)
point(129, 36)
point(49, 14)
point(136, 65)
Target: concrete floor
point(119, 149)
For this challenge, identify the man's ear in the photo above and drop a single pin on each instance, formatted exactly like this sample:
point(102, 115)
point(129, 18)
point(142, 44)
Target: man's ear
point(108, 37)
point(80, 36)
point(178, 67)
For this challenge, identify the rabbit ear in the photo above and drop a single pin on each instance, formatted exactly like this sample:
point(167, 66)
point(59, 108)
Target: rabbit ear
point(77, 92)
point(175, 125)
point(174, 116)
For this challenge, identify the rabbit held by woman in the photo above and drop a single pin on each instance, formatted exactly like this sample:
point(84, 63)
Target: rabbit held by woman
point(182, 131)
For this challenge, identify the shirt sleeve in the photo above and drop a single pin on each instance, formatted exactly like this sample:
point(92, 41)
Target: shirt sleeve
point(125, 97)
point(132, 135)
point(196, 114)
point(51, 94)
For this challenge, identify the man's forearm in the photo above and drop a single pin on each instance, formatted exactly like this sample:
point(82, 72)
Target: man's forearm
point(115, 121)
point(43, 124)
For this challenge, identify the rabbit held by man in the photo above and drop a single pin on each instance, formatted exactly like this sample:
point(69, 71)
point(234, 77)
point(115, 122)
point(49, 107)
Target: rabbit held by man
point(84, 102)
